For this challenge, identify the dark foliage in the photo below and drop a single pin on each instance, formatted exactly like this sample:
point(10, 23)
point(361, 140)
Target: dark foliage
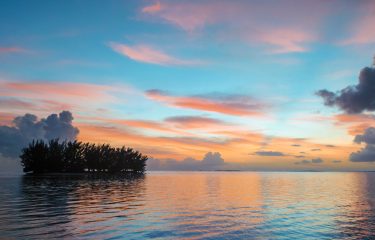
point(78, 157)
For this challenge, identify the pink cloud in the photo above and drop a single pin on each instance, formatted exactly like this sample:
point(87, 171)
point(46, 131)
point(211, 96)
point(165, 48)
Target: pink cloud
point(181, 125)
point(354, 123)
point(286, 26)
point(19, 105)
point(55, 89)
point(362, 31)
point(16, 103)
point(190, 16)
point(4, 50)
point(147, 54)
point(156, 7)
point(286, 40)
point(116, 135)
point(42, 97)
point(231, 105)
point(6, 118)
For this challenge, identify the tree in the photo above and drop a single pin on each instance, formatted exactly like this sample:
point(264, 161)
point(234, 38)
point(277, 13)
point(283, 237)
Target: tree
point(34, 157)
point(77, 157)
point(74, 158)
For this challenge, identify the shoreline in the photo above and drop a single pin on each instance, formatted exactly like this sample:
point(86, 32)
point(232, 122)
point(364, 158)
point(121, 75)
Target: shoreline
point(13, 174)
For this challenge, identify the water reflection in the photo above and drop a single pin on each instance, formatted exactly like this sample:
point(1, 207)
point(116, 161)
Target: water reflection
point(190, 205)
point(64, 206)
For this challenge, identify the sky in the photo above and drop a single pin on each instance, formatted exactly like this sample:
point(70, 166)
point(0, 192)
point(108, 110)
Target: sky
point(250, 85)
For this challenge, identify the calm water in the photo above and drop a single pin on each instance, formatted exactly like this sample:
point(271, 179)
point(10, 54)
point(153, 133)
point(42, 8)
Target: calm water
point(190, 205)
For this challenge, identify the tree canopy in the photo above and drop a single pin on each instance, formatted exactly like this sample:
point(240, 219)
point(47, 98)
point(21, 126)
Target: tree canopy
point(77, 157)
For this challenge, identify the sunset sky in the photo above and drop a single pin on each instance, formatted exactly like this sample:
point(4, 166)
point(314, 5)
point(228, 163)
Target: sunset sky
point(179, 79)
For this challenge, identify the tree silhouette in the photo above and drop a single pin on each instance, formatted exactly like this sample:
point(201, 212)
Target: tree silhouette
point(78, 157)
point(55, 157)
point(34, 157)
point(74, 158)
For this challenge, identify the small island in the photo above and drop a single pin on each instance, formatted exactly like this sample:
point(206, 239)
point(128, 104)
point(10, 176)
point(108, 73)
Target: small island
point(55, 156)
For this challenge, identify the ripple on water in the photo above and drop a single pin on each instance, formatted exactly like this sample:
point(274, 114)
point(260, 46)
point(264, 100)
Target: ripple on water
point(190, 206)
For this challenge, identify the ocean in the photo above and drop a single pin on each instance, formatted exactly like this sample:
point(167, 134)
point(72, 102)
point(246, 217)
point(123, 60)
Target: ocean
point(190, 205)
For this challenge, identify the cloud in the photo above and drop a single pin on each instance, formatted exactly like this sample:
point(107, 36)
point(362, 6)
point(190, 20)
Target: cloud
point(317, 160)
point(238, 105)
point(192, 122)
point(147, 54)
point(303, 162)
point(64, 90)
point(354, 118)
point(330, 146)
point(6, 118)
point(5, 50)
point(181, 145)
point(269, 153)
point(312, 161)
point(295, 27)
point(143, 124)
point(187, 15)
point(355, 123)
point(211, 161)
point(296, 145)
point(315, 149)
point(337, 161)
point(230, 143)
point(44, 97)
point(362, 29)
point(156, 7)
point(180, 125)
point(354, 99)
point(28, 127)
point(368, 137)
point(366, 154)
point(286, 40)
point(15, 103)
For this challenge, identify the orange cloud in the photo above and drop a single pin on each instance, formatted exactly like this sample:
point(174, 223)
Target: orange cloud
point(186, 146)
point(232, 105)
point(45, 97)
point(58, 94)
point(62, 89)
point(359, 128)
point(187, 126)
point(236, 145)
point(147, 54)
point(152, 8)
point(355, 123)
point(354, 118)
